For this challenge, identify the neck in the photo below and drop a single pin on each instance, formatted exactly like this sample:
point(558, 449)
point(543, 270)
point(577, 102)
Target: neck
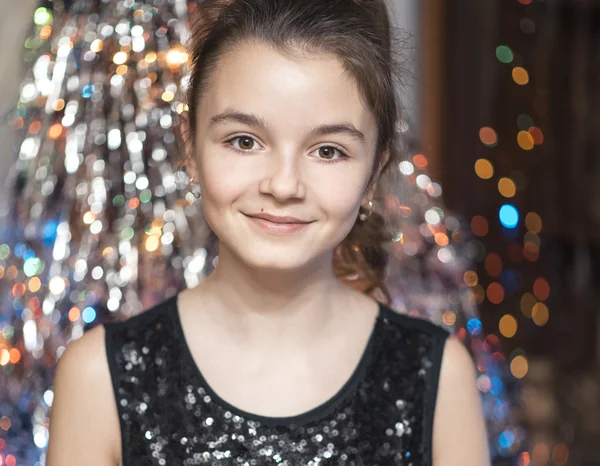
point(293, 304)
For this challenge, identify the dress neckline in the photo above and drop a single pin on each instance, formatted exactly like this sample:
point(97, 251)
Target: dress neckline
point(312, 414)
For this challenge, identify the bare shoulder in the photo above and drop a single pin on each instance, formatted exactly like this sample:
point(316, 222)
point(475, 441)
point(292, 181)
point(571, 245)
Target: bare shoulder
point(84, 365)
point(84, 427)
point(457, 363)
point(89, 346)
point(459, 431)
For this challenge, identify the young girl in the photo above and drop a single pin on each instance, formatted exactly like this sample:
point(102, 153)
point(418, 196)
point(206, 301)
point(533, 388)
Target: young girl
point(274, 359)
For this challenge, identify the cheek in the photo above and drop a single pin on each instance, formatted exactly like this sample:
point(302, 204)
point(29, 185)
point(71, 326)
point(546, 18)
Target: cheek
point(222, 183)
point(340, 196)
point(224, 180)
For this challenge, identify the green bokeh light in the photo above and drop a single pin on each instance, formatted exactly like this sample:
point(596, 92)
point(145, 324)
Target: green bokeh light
point(32, 266)
point(145, 196)
point(524, 122)
point(42, 16)
point(127, 233)
point(4, 251)
point(504, 54)
point(118, 200)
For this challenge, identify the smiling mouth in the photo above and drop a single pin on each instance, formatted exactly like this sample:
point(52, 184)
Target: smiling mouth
point(278, 218)
point(277, 226)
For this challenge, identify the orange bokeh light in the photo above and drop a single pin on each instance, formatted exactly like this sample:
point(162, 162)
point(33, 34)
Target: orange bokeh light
point(533, 222)
point(527, 303)
point(441, 239)
point(74, 314)
point(420, 161)
point(58, 105)
point(470, 278)
point(541, 289)
point(531, 251)
point(55, 131)
point(520, 75)
point(525, 140)
point(560, 454)
point(507, 187)
point(478, 294)
point(35, 127)
point(19, 289)
point(537, 135)
point(495, 293)
point(540, 314)
point(493, 264)
point(45, 32)
point(488, 136)
point(484, 169)
point(479, 225)
point(524, 459)
point(540, 454)
point(508, 326)
point(18, 123)
point(15, 355)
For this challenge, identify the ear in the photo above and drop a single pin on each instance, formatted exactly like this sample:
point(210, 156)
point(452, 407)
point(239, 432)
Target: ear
point(385, 158)
point(189, 160)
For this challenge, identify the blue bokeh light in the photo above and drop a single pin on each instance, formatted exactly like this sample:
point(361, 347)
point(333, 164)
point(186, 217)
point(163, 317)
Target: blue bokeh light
point(20, 249)
point(88, 315)
point(506, 439)
point(497, 385)
point(474, 326)
point(49, 232)
point(28, 254)
point(87, 91)
point(509, 216)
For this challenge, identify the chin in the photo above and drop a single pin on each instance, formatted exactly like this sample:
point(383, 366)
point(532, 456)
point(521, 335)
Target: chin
point(281, 258)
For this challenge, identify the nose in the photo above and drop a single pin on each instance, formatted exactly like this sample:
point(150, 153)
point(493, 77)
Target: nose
point(284, 180)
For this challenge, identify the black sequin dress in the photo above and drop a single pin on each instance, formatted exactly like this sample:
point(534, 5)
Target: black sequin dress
point(169, 415)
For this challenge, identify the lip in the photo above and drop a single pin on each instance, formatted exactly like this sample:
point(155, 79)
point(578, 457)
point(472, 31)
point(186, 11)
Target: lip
point(278, 219)
point(278, 225)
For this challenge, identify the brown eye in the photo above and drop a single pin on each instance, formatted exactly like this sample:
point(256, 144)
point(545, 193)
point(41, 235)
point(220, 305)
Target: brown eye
point(327, 152)
point(246, 143)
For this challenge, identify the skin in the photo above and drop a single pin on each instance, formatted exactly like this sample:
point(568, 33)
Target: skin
point(273, 310)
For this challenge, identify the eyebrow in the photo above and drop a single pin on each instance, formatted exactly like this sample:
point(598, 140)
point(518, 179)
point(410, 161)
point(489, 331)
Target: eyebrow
point(257, 122)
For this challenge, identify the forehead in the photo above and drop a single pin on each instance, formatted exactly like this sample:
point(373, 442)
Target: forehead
point(288, 91)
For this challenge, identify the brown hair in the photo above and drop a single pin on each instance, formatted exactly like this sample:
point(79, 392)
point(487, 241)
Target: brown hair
point(359, 33)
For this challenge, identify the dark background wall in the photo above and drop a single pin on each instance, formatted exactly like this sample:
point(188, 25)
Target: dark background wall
point(558, 43)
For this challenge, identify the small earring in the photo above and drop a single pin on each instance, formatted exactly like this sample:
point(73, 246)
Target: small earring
point(193, 194)
point(362, 216)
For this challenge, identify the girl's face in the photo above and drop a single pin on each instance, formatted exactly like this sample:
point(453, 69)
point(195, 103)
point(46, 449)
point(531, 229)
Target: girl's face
point(284, 137)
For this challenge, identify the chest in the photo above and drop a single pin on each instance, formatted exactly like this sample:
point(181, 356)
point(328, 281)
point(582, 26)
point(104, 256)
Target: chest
point(377, 419)
point(357, 430)
point(169, 414)
point(279, 385)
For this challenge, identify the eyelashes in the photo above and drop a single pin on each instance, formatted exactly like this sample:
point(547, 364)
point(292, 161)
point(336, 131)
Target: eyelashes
point(242, 136)
point(342, 153)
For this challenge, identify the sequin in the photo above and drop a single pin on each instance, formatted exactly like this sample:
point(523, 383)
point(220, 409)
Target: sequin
point(169, 415)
